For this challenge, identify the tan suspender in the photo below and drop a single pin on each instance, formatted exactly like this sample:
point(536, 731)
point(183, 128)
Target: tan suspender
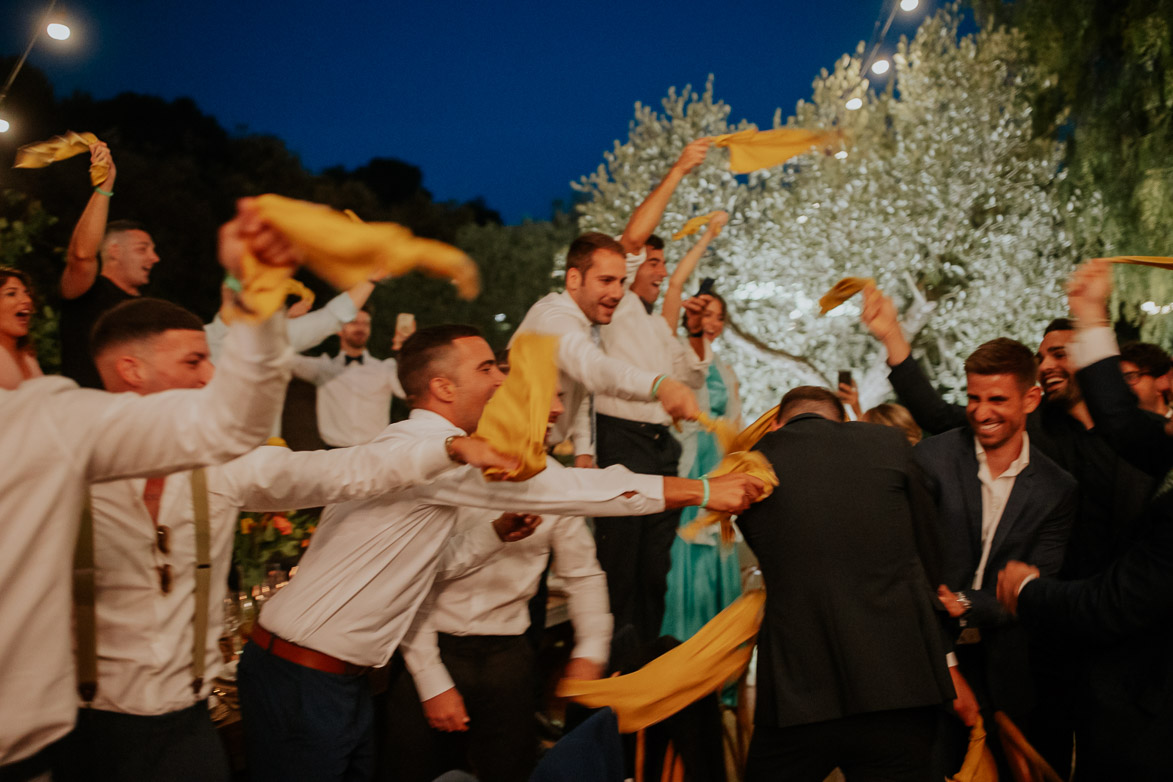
point(84, 592)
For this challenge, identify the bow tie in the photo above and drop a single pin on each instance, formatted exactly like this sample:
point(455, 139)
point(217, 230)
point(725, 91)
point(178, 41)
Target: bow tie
point(352, 358)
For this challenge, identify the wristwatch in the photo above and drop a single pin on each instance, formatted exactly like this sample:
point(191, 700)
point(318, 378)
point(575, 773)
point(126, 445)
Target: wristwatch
point(966, 604)
point(448, 448)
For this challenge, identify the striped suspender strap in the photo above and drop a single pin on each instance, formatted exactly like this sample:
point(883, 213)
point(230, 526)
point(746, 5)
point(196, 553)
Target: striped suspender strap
point(85, 627)
point(203, 577)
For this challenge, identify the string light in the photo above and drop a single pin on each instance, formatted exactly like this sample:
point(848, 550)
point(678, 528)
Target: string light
point(4, 126)
point(841, 154)
point(58, 31)
point(855, 104)
point(909, 5)
point(880, 67)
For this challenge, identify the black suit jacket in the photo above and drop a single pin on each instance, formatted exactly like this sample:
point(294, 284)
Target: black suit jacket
point(850, 624)
point(1112, 493)
point(1034, 528)
point(1123, 620)
point(1137, 435)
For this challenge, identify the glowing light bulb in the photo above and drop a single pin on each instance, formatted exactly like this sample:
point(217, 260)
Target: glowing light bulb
point(58, 31)
point(4, 126)
point(802, 219)
point(880, 67)
point(841, 154)
point(909, 5)
point(855, 104)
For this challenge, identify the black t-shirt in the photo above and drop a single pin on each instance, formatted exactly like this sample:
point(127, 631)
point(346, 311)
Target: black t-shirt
point(77, 320)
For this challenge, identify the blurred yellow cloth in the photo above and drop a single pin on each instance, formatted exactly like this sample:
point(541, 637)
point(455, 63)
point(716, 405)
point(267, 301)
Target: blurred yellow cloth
point(292, 288)
point(842, 291)
point(703, 664)
point(692, 226)
point(1141, 260)
point(740, 458)
point(751, 150)
point(514, 420)
point(344, 253)
point(1020, 754)
point(979, 764)
point(41, 153)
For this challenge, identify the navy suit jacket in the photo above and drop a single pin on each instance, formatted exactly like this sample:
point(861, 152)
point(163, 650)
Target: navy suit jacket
point(1034, 528)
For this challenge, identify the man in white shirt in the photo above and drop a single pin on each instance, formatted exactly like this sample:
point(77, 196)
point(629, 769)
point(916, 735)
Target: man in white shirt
point(637, 557)
point(306, 705)
point(148, 717)
point(354, 387)
point(62, 439)
point(999, 498)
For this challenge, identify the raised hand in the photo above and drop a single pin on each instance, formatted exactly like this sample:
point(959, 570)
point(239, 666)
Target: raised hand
point(879, 315)
point(1088, 291)
point(100, 153)
point(692, 156)
point(716, 223)
point(694, 312)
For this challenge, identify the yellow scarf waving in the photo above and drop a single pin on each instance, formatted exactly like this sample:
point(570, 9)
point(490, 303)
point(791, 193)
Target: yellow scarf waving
point(979, 764)
point(344, 253)
point(514, 420)
point(751, 150)
point(692, 226)
point(42, 153)
point(842, 291)
point(704, 663)
point(1156, 261)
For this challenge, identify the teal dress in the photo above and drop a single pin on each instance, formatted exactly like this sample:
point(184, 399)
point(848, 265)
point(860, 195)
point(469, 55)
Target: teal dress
point(705, 577)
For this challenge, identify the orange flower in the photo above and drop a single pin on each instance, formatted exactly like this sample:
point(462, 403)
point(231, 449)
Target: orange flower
point(282, 524)
point(246, 525)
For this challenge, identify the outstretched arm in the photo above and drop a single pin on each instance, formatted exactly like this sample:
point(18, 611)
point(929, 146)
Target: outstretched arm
point(81, 259)
point(647, 215)
point(674, 295)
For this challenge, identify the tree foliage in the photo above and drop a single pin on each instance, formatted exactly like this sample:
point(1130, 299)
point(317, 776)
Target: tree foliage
point(945, 197)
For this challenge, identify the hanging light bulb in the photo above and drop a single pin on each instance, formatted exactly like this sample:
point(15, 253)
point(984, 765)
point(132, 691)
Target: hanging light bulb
point(909, 5)
point(58, 31)
point(880, 67)
point(4, 126)
point(855, 104)
point(841, 154)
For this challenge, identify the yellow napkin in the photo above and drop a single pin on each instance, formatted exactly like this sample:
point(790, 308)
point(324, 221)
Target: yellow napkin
point(1141, 260)
point(1020, 753)
point(692, 226)
point(514, 420)
point(979, 764)
point(750, 150)
point(704, 663)
point(738, 458)
point(41, 153)
point(344, 253)
point(292, 288)
point(842, 291)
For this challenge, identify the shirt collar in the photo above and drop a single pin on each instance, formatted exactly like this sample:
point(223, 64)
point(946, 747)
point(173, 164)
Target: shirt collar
point(570, 303)
point(418, 413)
point(1016, 466)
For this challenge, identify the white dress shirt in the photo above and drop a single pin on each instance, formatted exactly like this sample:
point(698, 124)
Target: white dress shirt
point(144, 636)
point(372, 562)
point(304, 332)
point(644, 340)
point(583, 366)
point(995, 493)
point(354, 400)
point(59, 438)
point(1092, 345)
point(491, 596)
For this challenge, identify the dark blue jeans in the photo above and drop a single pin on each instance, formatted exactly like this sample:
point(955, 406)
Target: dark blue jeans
point(304, 724)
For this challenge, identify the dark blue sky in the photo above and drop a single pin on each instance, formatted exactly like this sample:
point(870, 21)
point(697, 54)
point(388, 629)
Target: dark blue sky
point(508, 100)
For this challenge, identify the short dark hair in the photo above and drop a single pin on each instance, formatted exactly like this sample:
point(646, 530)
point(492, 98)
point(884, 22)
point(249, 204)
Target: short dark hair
point(137, 320)
point(582, 251)
point(122, 226)
point(1059, 324)
point(655, 242)
point(423, 350)
point(1149, 358)
point(811, 399)
point(1004, 356)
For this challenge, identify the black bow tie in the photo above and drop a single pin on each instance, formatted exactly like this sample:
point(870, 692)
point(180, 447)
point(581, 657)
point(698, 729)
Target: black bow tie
point(352, 358)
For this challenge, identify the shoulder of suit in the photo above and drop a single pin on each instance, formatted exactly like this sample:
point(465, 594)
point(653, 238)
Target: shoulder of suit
point(1048, 468)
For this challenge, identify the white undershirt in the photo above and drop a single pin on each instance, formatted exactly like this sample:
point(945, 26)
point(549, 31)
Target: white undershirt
point(995, 493)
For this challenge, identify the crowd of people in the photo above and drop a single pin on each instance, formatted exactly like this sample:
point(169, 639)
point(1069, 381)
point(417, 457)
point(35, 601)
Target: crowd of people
point(1015, 560)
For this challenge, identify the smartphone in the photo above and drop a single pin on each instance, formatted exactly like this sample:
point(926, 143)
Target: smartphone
point(706, 286)
point(845, 377)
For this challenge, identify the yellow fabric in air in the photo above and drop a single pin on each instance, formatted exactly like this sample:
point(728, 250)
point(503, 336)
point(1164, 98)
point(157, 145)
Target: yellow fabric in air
point(1141, 260)
point(41, 153)
point(514, 420)
point(751, 150)
point(344, 253)
point(292, 288)
point(842, 291)
point(979, 764)
point(692, 226)
point(717, 653)
point(739, 458)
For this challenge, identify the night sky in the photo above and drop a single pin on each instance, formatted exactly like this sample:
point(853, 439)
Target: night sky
point(508, 100)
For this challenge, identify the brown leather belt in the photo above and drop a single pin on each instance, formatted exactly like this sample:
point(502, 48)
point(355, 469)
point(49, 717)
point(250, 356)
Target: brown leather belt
point(287, 650)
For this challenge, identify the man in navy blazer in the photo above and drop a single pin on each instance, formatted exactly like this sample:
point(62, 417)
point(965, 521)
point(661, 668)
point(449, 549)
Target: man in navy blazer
point(998, 499)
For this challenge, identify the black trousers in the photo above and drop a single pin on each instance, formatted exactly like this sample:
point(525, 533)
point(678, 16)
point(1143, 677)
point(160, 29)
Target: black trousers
point(893, 746)
point(494, 674)
point(636, 552)
point(107, 746)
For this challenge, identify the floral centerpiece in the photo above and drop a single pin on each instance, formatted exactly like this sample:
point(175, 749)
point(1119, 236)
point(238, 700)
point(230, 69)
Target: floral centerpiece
point(266, 540)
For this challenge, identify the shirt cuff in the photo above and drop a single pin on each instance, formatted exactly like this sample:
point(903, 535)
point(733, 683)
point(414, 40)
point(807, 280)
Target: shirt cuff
point(594, 649)
point(432, 681)
point(1024, 582)
point(951, 659)
point(261, 343)
point(342, 307)
point(1092, 345)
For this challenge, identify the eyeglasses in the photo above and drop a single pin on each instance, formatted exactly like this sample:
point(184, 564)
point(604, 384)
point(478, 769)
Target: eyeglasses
point(1132, 378)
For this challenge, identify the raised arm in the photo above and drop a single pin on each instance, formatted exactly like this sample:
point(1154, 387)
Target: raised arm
point(674, 295)
point(313, 327)
point(81, 259)
point(646, 217)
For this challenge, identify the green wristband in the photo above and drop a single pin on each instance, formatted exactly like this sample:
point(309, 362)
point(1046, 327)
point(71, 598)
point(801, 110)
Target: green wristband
point(232, 283)
point(107, 193)
point(705, 499)
point(656, 385)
